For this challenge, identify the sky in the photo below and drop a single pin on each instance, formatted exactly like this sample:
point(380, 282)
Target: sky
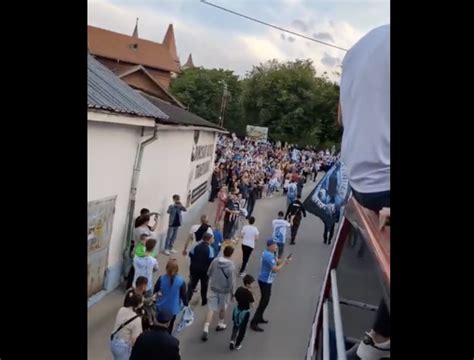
point(218, 39)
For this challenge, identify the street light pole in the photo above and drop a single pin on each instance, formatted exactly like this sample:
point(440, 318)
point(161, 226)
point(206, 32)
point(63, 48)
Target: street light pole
point(225, 96)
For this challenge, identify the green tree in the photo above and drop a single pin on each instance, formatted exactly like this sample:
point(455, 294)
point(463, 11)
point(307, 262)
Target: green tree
point(296, 105)
point(201, 91)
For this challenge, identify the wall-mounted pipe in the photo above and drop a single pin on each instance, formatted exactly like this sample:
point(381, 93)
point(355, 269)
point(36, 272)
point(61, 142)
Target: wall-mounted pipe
point(133, 193)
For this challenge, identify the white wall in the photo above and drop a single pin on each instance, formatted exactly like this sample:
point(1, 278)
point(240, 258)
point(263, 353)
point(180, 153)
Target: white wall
point(111, 155)
point(205, 138)
point(167, 170)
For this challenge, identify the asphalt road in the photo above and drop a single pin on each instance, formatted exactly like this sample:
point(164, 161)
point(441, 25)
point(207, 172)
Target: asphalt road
point(290, 312)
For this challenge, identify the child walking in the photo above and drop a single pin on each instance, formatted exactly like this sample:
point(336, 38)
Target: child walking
point(241, 313)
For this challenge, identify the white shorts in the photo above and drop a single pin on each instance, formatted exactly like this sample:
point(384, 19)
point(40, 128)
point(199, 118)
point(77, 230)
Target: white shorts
point(217, 301)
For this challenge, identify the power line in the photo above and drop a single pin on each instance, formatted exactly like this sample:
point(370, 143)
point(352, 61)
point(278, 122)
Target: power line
point(273, 26)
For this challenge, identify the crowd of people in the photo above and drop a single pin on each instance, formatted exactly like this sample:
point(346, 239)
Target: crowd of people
point(246, 171)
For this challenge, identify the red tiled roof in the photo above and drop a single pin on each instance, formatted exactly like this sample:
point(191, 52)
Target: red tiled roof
point(170, 43)
point(112, 45)
point(189, 63)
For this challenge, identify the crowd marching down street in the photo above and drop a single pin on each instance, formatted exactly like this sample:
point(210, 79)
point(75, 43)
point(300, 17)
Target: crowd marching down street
point(246, 171)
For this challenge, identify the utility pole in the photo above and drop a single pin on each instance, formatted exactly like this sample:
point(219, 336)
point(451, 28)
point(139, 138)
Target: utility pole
point(225, 97)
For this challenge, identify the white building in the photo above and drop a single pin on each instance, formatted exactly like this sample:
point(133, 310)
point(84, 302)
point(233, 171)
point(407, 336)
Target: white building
point(178, 159)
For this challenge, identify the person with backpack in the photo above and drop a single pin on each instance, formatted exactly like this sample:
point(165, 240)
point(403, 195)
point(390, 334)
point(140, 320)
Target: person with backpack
point(127, 328)
point(294, 214)
point(221, 275)
point(292, 191)
point(279, 232)
point(197, 231)
point(170, 290)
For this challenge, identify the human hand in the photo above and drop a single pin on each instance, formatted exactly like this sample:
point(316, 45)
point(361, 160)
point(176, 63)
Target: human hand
point(184, 252)
point(384, 218)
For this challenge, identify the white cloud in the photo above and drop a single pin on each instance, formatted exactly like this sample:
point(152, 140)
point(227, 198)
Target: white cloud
point(230, 47)
point(261, 48)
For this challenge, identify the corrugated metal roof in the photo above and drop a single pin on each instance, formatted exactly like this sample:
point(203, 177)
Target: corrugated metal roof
point(180, 116)
point(106, 91)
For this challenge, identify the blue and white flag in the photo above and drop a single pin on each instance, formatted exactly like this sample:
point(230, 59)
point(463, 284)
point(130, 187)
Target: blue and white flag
point(330, 194)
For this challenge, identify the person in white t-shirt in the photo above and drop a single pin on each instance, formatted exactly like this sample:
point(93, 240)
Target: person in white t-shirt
point(196, 232)
point(364, 114)
point(250, 234)
point(280, 227)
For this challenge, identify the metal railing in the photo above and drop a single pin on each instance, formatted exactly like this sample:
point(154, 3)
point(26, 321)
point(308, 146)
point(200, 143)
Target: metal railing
point(379, 242)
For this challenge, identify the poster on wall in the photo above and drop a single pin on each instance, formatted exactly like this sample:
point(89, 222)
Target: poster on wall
point(100, 216)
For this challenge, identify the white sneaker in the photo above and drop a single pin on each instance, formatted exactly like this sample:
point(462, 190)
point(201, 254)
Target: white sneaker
point(369, 350)
point(221, 326)
point(173, 251)
point(242, 274)
point(167, 252)
point(238, 347)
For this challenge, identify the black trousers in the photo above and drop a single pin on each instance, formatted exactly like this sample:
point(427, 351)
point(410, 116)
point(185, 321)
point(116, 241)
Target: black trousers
point(213, 195)
point(171, 325)
point(373, 201)
point(265, 292)
point(228, 225)
point(250, 207)
point(382, 320)
point(195, 277)
point(315, 175)
point(294, 229)
point(246, 251)
point(238, 332)
point(328, 232)
point(130, 276)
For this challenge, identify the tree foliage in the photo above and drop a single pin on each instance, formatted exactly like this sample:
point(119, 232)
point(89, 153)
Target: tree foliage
point(296, 104)
point(201, 91)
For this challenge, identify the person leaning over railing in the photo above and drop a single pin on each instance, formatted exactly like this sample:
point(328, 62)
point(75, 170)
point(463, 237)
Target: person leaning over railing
point(364, 113)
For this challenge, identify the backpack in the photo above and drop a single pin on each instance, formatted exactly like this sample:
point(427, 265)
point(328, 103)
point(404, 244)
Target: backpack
point(279, 234)
point(201, 231)
point(291, 191)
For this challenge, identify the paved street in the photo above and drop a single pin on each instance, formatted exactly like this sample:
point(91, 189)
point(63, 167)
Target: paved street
point(291, 308)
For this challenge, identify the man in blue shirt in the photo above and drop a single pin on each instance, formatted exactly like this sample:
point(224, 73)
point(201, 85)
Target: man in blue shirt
point(269, 266)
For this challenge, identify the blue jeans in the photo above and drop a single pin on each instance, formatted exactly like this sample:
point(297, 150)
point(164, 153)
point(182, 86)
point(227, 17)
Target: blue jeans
point(171, 237)
point(121, 350)
point(281, 247)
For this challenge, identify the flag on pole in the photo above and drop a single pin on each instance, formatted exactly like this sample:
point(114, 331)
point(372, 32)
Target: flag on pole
point(330, 195)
